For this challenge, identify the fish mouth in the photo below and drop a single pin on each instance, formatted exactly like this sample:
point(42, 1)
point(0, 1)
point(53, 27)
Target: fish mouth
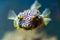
point(29, 27)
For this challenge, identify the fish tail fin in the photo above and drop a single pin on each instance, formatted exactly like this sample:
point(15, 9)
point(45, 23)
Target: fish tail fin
point(35, 5)
point(46, 20)
point(11, 15)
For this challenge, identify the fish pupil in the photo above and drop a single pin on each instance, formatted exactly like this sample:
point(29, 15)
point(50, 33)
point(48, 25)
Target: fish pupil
point(20, 19)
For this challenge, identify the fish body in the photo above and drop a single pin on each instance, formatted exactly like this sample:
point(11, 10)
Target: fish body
point(31, 18)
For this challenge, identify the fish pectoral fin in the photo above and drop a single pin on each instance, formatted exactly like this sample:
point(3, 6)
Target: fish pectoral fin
point(11, 15)
point(46, 12)
point(46, 20)
point(35, 5)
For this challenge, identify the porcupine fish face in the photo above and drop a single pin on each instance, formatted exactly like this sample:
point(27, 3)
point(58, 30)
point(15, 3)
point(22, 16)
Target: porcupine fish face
point(30, 19)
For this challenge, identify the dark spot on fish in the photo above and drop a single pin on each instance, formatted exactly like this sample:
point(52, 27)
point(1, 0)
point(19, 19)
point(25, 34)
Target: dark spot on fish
point(37, 21)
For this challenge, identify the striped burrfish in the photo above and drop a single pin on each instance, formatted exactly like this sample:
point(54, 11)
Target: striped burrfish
point(31, 18)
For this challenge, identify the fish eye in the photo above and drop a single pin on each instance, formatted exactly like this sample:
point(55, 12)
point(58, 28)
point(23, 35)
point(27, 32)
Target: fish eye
point(36, 16)
point(20, 18)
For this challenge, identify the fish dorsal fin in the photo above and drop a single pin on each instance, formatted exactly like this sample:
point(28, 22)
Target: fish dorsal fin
point(46, 12)
point(11, 15)
point(46, 20)
point(35, 5)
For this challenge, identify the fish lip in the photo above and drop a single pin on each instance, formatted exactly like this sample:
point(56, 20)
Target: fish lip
point(28, 28)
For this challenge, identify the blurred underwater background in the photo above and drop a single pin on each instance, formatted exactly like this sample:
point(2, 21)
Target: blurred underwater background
point(53, 28)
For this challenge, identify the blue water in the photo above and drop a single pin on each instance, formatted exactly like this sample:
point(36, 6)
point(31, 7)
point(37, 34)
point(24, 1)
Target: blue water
point(53, 28)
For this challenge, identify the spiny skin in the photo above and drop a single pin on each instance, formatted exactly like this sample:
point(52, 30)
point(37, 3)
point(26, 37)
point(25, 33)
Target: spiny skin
point(29, 20)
